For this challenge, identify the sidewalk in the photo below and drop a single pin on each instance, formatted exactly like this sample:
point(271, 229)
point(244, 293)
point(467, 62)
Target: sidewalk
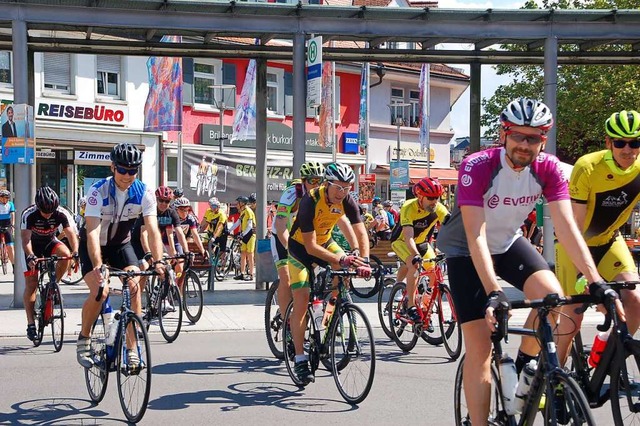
point(233, 306)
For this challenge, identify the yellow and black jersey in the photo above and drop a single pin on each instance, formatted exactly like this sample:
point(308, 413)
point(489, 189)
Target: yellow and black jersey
point(213, 219)
point(411, 214)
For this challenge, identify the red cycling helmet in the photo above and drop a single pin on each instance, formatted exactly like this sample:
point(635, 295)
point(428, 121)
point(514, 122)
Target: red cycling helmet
point(164, 192)
point(427, 187)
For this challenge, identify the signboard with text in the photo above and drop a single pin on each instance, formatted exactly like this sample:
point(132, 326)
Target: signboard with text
point(18, 141)
point(314, 71)
point(399, 174)
point(63, 110)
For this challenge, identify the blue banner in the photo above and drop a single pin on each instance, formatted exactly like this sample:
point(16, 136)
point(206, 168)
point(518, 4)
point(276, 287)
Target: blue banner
point(362, 119)
point(399, 174)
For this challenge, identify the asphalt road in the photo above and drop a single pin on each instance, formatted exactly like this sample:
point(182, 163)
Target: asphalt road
point(230, 378)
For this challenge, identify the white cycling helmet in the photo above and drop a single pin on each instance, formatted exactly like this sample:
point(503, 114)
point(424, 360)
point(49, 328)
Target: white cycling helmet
point(339, 172)
point(182, 202)
point(527, 112)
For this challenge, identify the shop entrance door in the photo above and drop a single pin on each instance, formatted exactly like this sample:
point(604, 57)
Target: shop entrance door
point(88, 174)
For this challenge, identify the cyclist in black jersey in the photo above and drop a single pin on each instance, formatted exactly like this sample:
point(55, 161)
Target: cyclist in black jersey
point(38, 228)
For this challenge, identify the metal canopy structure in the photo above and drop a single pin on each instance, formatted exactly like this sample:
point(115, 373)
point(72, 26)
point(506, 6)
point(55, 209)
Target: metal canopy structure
point(135, 27)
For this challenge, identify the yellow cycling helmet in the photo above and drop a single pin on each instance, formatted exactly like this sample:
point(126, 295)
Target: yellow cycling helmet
point(623, 124)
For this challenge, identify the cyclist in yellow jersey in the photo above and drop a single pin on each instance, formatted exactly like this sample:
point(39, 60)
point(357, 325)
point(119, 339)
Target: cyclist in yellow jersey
point(214, 222)
point(310, 243)
point(604, 189)
point(247, 224)
point(409, 239)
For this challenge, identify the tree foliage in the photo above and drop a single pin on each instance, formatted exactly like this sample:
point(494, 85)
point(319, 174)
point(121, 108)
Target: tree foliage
point(586, 94)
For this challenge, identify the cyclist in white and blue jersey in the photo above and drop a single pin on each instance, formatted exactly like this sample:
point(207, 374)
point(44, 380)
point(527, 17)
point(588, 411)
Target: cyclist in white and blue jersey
point(113, 205)
point(7, 220)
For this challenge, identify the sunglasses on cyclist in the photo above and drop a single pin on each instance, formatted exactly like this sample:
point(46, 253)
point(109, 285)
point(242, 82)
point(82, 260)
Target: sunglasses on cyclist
point(314, 181)
point(432, 198)
point(620, 143)
point(125, 171)
point(163, 201)
point(341, 188)
point(518, 137)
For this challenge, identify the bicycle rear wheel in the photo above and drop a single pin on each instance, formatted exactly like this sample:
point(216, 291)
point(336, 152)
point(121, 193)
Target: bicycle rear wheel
point(38, 311)
point(134, 380)
point(448, 322)
point(353, 354)
point(497, 414)
point(383, 305)
point(289, 351)
point(192, 297)
point(273, 321)
point(4, 258)
point(568, 406)
point(365, 291)
point(57, 316)
point(625, 386)
point(97, 377)
point(403, 331)
point(170, 314)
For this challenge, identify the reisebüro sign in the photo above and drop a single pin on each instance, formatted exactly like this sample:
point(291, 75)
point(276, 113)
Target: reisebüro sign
point(62, 110)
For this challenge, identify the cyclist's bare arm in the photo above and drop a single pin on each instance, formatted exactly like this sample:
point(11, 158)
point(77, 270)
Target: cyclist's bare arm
point(25, 235)
point(282, 233)
point(171, 248)
point(218, 231)
point(93, 226)
point(362, 237)
point(13, 219)
point(198, 241)
point(144, 240)
point(179, 233)
point(408, 234)
point(204, 225)
point(347, 230)
point(153, 235)
point(72, 237)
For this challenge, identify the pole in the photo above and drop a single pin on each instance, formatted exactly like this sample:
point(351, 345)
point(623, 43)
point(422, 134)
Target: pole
point(299, 102)
point(427, 102)
point(180, 159)
point(333, 111)
point(261, 156)
point(366, 119)
point(398, 133)
point(221, 142)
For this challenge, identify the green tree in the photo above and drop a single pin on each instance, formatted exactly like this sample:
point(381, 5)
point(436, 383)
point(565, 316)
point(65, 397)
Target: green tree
point(587, 94)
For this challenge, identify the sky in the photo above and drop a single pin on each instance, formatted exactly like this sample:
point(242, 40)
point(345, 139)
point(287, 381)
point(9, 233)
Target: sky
point(490, 80)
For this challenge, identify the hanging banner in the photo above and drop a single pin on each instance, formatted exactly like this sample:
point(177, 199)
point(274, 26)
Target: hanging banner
point(18, 128)
point(163, 108)
point(362, 119)
point(423, 119)
point(367, 187)
point(208, 174)
point(244, 123)
point(326, 107)
point(399, 174)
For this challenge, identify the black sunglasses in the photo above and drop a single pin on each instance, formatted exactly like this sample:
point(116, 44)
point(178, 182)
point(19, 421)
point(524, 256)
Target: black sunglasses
point(433, 198)
point(620, 143)
point(518, 137)
point(124, 171)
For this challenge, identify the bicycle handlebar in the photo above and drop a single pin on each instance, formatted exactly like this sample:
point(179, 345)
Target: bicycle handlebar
point(113, 272)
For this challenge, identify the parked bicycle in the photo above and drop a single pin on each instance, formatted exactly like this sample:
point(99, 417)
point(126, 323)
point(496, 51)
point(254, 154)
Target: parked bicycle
point(4, 255)
point(192, 296)
point(127, 353)
point(49, 308)
point(164, 305)
point(345, 342)
point(563, 399)
point(435, 306)
point(620, 361)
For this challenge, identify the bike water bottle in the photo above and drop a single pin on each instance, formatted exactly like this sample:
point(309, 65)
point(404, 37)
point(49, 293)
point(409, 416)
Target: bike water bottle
point(113, 330)
point(599, 344)
point(318, 312)
point(524, 384)
point(509, 380)
point(107, 317)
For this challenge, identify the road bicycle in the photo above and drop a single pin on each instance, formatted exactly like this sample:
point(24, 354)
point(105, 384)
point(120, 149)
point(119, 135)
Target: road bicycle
point(620, 361)
point(563, 401)
point(192, 296)
point(383, 296)
point(49, 307)
point(438, 311)
point(133, 378)
point(164, 305)
point(4, 255)
point(346, 344)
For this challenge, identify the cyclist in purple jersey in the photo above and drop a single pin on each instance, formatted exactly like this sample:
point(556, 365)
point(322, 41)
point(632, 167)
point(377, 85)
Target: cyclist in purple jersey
point(188, 222)
point(497, 188)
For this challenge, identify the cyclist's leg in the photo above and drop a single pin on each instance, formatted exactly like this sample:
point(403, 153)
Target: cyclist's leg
point(243, 260)
point(31, 282)
point(8, 239)
point(251, 250)
point(179, 266)
point(60, 249)
point(470, 299)
point(125, 258)
point(403, 252)
point(618, 265)
point(569, 325)
point(280, 258)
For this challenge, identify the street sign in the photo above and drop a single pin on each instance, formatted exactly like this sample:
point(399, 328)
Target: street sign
point(399, 176)
point(314, 71)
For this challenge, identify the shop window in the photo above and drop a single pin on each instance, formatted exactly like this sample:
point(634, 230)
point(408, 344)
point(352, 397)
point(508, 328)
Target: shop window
point(206, 73)
point(108, 75)
point(5, 68)
point(414, 113)
point(57, 72)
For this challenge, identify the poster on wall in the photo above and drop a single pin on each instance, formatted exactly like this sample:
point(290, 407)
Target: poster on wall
point(367, 187)
point(18, 141)
point(399, 175)
point(209, 174)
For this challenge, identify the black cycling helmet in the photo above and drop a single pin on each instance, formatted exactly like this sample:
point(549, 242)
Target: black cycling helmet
point(253, 198)
point(242, 199)
point(127, 155)
point(178, 192)
point(47, 200)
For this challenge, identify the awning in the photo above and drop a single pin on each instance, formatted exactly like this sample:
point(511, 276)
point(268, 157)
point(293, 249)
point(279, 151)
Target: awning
point(445, 176)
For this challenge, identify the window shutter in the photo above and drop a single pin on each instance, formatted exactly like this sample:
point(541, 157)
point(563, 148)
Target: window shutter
point(288, 93)
point(109, 63)
point(187, 81)
point(57, 68)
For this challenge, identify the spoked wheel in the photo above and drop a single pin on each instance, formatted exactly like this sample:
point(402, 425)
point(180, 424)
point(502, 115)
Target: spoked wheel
point(97, 376)
point(57, 316)
point(72, 276)
point(273, 321)
point(353, 354)
point(448, 321)
point(134, 374)
point(625, 386)
point(430, 328)
point(568, 406)
point(383, 305)
point(4, 258)
point(38, 316)
point(403, 331)
point(497, 415)
point(289, 350)
point(170, 314)
point(192, 296)
point(366, 291)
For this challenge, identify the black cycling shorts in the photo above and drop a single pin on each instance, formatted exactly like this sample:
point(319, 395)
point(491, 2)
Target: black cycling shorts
point(119, 256)
point(43, 248)
point(514, 266)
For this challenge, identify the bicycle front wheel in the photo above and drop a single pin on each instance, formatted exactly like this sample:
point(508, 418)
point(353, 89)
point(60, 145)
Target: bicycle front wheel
point(568, 405)
point(39, 311)
point(353, 353)
point(134, 369)
point(192, 297)
point(72, 276)
point(170, 314)
point(383, 305)
point(57, 316)
point(625, 386)
point(365, 291)
point(403, 331)
point(273, 321)
point(448, 321)
point(97, 376)
point(4, 258)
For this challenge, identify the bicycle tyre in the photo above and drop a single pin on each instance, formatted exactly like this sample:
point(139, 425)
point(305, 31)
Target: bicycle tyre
point(351, 362)
point(170, 320)
point(57, 317)
point(4, 256)
point(72, 276)
point(403, 331)
point(383, 305)
point(273, 321)
point(128, 378)
point(448, 321)
point(150, 311)
point(431, 331)
point(288, 349)
point(365, 292)
point(38, 314)
point(576, 405)
point(192, 297)
point(97, 377)
point(623, 390)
